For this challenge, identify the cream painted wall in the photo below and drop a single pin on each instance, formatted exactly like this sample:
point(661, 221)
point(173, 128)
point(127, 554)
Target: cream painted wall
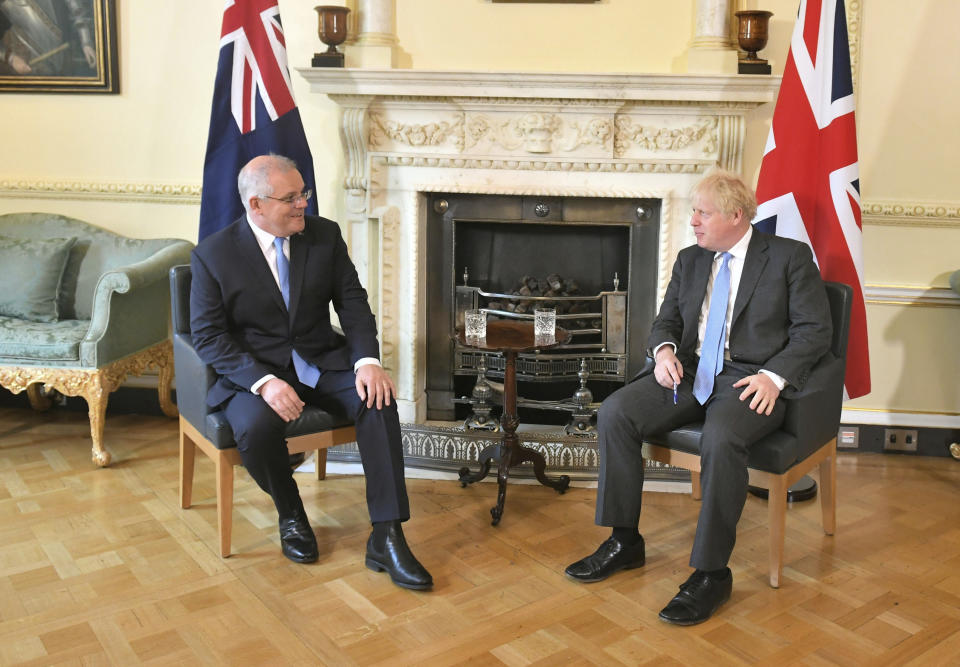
point(154, 132)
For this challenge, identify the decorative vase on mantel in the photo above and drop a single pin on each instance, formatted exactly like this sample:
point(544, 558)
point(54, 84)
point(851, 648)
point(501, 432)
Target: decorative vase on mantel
point(332, 29)
point(752, 36)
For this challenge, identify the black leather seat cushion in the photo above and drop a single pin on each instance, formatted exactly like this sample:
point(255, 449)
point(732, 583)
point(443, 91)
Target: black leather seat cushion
point(311, 420)
point(774, 453)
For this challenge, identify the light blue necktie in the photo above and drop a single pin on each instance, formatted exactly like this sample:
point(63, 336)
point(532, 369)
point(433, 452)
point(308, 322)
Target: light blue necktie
point(711, 353)
point(306, 372)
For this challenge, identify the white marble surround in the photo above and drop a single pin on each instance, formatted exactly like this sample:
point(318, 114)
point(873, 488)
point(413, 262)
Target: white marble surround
point(410, 132)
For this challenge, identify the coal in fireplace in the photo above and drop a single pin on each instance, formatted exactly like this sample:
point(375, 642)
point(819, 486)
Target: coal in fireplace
point(593, 259)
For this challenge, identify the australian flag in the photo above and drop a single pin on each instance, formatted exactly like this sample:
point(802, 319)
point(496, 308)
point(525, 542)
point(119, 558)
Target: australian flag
point(809, 184)
point(253, 110)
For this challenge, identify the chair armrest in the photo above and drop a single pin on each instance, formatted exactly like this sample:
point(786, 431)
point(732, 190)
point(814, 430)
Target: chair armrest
point(131, 307)
point(648, 365)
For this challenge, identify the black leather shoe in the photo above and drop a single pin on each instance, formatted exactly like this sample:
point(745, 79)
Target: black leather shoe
point(396, 558)
point(296, 460)
point(698, 598)
point(297, 540)
point(610, 557)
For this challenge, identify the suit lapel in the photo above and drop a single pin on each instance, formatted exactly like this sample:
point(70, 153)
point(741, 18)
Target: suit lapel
point(753, 265)
point(299, 249)
point(249, 251)
point(698, 292)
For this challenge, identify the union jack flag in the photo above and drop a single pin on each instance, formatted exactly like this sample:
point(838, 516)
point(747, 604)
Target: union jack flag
point(809, 184)
point(253, 109)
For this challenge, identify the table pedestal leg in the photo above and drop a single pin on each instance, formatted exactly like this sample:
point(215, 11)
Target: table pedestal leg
point(510, 452)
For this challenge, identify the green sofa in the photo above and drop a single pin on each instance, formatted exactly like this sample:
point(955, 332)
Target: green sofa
point(80, 309)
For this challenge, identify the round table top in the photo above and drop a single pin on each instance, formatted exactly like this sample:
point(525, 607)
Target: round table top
point(513, 335)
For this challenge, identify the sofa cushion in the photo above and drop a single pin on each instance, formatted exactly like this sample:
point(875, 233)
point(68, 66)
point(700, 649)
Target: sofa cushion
point(23, 341)
point(30, 271)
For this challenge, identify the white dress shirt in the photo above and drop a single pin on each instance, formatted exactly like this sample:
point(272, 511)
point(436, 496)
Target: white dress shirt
point(265, 241)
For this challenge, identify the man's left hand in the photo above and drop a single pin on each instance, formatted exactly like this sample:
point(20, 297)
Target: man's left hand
point(763, 389)
point(374, 386)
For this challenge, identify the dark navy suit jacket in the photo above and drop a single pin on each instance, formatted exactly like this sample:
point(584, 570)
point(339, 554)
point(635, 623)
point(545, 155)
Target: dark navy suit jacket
point(240, 325)
point(781, 318)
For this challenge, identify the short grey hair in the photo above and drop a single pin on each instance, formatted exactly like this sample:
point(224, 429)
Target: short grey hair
point(254, 178)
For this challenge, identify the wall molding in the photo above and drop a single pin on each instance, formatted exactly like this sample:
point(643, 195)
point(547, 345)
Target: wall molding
point(911, 214)
point(904, 295)
point(153, 193)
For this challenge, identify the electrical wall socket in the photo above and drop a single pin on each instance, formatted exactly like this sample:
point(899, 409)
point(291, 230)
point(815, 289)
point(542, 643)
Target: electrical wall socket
point(899, 440)
point(848, 437)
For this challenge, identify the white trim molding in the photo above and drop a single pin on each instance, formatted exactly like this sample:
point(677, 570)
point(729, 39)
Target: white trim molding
point(912, 214)
point(153, 193)
point(904, 295)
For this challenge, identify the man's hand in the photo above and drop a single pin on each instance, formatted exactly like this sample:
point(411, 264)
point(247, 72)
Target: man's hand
point(669, 370)
point(282, 398)
point(764, 392)
point(374, 385)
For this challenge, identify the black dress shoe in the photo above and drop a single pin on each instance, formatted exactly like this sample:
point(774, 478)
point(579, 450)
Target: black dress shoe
point(699, 597)
point(396, 558)
point(297, 540)
point(610, 557)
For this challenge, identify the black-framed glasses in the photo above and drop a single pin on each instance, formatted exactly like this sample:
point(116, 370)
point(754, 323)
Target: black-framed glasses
point(291, 199)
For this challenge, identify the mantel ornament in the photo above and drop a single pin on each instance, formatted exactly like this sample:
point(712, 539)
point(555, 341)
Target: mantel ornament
point(333, 31)
point(752, 37)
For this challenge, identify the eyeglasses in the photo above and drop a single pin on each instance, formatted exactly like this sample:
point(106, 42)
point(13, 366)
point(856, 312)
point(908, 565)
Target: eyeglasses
point(291, 199)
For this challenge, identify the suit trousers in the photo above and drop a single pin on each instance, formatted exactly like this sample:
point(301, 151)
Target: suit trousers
point(259, 431)
point(730, 427)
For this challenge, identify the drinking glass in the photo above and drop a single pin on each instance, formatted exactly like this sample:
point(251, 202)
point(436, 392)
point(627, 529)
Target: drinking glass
point(545, 322)
point(475, 323)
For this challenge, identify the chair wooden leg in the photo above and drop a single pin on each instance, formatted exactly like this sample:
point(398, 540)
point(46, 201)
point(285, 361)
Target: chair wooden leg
point(828, 491)
point(777, 509)
point(38, 401)
point(97, 393)
point(695, 485)
point(188, 452)
point(320, 463)
point(224, 503)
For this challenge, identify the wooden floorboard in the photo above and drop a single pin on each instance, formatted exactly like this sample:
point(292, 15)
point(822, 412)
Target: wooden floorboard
point(100, 566)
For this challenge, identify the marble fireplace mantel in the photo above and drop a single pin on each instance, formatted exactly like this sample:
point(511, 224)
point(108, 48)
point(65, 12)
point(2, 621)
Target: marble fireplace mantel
point(407, 133)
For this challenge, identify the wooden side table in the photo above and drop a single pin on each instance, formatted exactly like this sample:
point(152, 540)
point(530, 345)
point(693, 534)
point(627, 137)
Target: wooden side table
point(510, 337)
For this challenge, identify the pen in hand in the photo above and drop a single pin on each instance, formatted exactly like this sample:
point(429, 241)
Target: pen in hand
point(674, 393)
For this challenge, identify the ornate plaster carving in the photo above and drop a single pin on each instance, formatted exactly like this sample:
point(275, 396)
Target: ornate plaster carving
point(653, 138)
point(911, 214)
point(154, 193)
point(647, 166)
point(415, 134)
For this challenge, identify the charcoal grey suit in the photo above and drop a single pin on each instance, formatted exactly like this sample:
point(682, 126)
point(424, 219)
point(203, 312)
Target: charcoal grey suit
point(780, 323)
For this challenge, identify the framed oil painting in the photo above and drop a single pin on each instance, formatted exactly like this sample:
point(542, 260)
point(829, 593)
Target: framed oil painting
point(58, 46)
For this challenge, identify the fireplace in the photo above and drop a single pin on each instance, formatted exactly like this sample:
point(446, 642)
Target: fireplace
point(592, 258)
point(414, 138)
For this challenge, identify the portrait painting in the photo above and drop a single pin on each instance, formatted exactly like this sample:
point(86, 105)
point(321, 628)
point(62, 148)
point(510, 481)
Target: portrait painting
point(58, 46)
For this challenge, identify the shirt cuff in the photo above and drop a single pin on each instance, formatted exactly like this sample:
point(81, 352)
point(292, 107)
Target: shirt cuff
point(259, 383)
point(657, 348)
point(777, 380)
point(365, 361)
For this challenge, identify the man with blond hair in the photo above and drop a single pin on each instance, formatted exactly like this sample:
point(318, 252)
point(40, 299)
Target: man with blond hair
point(744, 319)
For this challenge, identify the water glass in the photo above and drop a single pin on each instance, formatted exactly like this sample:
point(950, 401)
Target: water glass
point(475, 323)
point(545, 322)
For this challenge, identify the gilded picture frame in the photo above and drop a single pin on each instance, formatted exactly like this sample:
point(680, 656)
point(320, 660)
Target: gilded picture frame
point(58, 46)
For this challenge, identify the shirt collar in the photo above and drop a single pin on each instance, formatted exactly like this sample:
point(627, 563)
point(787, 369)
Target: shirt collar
point(739, 249)
point(264, 238)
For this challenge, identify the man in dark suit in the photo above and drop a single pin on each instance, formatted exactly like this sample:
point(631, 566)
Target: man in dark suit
point(260, 315)
point(744, 319)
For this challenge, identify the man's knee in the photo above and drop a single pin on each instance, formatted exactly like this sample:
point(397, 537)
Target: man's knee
point(614, 408)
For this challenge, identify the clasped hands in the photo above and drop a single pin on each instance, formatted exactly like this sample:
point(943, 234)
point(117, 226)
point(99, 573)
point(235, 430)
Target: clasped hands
point(373, 386)
point(669, 371)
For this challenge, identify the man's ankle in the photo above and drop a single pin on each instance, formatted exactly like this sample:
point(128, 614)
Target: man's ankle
point(627, 536)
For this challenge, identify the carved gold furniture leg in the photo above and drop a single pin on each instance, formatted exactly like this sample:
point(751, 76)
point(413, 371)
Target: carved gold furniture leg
point(95, 386)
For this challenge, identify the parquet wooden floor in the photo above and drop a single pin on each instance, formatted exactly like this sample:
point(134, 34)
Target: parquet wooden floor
point(102, 567)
